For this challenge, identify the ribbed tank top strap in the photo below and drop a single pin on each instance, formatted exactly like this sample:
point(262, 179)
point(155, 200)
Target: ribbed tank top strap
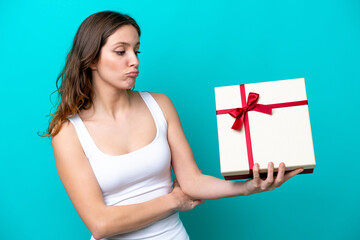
point(83, 135)
point(155, 110)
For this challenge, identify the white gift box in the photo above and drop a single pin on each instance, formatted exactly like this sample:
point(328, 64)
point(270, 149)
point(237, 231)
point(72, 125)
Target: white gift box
point(282, 136)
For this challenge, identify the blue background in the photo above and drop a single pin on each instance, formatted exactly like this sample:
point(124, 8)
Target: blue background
point(188, 48)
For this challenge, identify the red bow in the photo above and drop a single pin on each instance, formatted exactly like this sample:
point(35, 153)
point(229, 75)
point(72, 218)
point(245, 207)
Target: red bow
point(251, 105)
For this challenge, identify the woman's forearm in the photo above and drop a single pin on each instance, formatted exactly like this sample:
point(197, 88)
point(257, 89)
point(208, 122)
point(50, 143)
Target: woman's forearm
point(121, 219)
point(209, 187)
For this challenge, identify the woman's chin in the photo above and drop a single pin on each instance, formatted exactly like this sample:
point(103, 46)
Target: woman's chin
point(129, 83)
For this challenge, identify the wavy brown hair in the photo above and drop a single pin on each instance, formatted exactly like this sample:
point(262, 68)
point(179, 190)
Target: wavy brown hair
point(76, 88)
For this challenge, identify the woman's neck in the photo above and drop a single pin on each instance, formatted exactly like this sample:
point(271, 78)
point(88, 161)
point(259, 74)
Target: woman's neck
point(110, 104)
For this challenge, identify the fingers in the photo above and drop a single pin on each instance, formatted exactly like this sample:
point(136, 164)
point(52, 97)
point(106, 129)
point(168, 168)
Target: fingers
point(197, 202)
point(259, 185)
point(270, 176)
point(292, 173)
point(256, 175)
point(280, 176)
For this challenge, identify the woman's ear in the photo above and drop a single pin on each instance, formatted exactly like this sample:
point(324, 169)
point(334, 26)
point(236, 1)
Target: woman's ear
point(93, 66)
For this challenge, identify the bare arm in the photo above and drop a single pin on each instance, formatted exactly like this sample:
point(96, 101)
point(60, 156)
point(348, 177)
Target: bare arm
point(84, 191)
point(200, 186)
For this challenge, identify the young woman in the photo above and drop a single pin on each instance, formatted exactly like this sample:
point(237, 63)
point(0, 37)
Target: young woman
point(114, 147)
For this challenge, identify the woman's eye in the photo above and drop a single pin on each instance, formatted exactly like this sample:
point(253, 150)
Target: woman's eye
point(123, 52)
point(120, 52)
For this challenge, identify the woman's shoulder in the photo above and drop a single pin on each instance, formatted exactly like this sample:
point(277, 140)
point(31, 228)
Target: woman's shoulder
point(67, 132)
point(165, 103)
point(160, 97)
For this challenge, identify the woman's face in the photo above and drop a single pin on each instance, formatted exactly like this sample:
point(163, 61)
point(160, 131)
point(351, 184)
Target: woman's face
point(118, 62)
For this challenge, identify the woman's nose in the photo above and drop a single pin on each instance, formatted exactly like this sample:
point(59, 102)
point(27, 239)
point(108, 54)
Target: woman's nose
point(134, 60)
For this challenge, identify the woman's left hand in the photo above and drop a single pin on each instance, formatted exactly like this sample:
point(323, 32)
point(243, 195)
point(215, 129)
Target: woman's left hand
point(257, 184)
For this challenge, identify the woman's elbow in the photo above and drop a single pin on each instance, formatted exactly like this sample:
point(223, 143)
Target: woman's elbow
point(193, 187)
point(189, 189)
point(98, 229)
point(106, 227)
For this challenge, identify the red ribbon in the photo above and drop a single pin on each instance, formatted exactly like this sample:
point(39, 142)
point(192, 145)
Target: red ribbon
point(240, 115)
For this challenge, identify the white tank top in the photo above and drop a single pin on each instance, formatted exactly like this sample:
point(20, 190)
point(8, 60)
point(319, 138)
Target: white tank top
point(137, 176)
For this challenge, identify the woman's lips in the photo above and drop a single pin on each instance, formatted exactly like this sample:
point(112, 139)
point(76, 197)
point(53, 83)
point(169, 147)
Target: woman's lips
point(133, 74)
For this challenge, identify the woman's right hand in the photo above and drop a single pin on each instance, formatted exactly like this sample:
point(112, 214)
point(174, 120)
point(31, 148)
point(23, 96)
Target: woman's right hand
point(183, 201)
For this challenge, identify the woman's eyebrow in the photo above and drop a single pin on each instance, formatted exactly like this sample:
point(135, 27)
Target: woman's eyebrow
point(125, 43)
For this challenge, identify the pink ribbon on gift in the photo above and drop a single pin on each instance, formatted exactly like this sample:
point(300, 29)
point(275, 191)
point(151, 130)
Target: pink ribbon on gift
point(240, 115)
